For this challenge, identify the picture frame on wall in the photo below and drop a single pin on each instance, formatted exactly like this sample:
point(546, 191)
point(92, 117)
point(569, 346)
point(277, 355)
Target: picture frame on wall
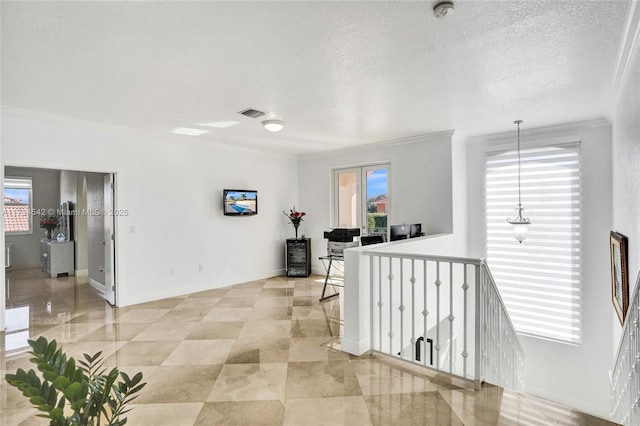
point(619, 274)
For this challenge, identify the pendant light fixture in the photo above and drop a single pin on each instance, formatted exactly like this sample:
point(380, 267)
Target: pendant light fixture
point(520, 224)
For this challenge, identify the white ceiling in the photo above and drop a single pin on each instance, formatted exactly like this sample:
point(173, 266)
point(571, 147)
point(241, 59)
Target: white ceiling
point(338, 73)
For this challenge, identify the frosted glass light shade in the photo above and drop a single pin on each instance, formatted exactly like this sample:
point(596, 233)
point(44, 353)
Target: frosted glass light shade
point(520, 231)
point(273, 125)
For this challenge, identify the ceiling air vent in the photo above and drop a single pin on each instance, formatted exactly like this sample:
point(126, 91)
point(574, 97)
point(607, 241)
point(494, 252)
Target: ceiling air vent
point(250, 112)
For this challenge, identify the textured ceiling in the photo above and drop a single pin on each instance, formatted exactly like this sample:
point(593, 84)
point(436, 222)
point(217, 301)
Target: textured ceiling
point(338, 73)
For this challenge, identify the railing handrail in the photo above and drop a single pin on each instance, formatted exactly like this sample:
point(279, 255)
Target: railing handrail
point(491, 332)
point(626, 322)
point(485, 266)
point(415, 256)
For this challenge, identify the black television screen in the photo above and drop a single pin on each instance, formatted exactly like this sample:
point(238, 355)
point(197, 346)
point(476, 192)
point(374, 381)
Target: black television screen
point(240, 202)
point(399, 232)
point(416, 230)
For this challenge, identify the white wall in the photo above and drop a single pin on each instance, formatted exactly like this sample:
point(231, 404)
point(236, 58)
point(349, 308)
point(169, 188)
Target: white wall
point(573, 375)
point(626, 152)
point(171, 187)
point(421, 185)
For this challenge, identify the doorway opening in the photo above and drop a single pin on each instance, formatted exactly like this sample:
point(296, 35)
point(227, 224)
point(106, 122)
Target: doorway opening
point(82, 244)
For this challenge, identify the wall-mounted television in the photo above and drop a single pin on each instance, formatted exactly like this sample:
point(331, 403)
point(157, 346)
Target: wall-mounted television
point(240, 202)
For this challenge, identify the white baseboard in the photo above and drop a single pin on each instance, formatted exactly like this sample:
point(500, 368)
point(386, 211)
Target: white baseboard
point(602, 412)
point(82, 272)
point(27, 266)
point(97, 285)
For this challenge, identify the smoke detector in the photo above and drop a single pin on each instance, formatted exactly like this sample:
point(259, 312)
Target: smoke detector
point(443, 9)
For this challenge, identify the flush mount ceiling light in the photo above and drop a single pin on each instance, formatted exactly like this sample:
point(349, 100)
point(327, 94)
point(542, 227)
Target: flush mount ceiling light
point(273, 125)
point(443, 9)
point(188, 131)
point(218, 124)
point(520, 224)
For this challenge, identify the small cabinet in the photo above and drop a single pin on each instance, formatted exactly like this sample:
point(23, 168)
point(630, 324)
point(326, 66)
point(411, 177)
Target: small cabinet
point(57, 257)
point(298, 256)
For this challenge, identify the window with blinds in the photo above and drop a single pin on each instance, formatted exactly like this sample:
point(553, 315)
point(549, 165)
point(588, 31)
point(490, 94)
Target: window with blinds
point(539, 280)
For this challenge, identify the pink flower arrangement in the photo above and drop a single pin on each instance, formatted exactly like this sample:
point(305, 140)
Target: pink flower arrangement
point(50, 222)
point(294, 215)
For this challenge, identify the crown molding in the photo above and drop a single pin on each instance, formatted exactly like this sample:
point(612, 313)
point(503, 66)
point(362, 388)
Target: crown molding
point(428, 137)
point(148, 134)
point(627, 55)
point(553, 131)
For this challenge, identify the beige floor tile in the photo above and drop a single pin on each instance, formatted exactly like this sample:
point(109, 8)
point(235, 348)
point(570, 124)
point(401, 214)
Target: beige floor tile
point(244, 292)
point(166, 414)
point(347, 410)
point(313, 349)
point(270, 313)
point(428, 408)
point(236, 302)
point(321, 379)
point(142, 315)
point(227, 314)
point(250, 382)
point(142, 353)
point(115, 332)
point(262, 330)
point(273, 301)
point(378, 378)
point(242, 413)
point(183, 313)
point(251, 351)
point(276, 292)
point(177, 330)
point(200, 352)
point(183, 383)
point(214, 330)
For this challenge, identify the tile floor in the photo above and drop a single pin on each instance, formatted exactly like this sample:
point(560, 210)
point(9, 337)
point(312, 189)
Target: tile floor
point(260, 353)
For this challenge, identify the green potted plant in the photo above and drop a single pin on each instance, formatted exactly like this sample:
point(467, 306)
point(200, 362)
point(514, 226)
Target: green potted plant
point(75, 395)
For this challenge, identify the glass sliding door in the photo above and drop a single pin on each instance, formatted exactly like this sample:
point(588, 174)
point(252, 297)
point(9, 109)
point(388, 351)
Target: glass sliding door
point(361, 199)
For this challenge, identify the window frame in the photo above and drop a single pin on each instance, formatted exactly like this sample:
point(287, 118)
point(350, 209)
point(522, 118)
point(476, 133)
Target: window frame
point(574, 269)
point(362, 202)
point(7, 184)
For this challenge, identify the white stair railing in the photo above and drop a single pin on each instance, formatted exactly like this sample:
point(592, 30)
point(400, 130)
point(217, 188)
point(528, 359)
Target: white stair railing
point(445, 306)
point(625, 380)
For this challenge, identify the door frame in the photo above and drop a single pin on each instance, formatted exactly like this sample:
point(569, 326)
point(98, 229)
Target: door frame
point(361, 182)
point(59, 167)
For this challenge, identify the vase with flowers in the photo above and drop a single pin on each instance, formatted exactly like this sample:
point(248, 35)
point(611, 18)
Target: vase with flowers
point(295, 217)
point(50, 222)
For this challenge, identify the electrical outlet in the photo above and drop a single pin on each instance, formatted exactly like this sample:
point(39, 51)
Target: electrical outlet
point(101, 268)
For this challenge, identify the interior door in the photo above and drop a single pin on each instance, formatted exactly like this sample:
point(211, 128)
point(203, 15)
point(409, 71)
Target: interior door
point(109, 241)
point(347, 193)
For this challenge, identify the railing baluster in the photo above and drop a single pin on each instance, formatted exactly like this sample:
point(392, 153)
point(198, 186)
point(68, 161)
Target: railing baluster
point(401, 307)
point(391, 334)
point(437, 284)
point(451, 317)
point(465, 309)
point(380, 303)
point(413, 309)
point(498, 357)
point(479, 324)
point(425, 310)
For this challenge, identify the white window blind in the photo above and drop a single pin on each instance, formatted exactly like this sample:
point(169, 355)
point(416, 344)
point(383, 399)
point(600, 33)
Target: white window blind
point(539, 280)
